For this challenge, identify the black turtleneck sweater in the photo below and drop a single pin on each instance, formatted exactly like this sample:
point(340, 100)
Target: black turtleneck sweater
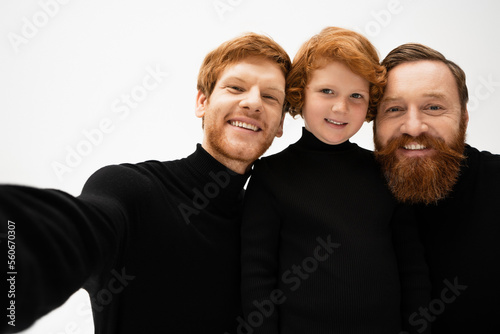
point(156, 245)
point(317, 254)
point(461, 237)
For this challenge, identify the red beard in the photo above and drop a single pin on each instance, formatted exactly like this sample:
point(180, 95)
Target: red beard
point(422, 179)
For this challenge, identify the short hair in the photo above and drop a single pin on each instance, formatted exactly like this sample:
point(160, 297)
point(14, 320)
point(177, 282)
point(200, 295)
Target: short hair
point(411, 52)
point(335, 44)
point(237, 49)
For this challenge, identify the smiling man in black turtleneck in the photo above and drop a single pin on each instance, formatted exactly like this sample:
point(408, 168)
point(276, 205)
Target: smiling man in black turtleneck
point(156, 244)
point(454, 188)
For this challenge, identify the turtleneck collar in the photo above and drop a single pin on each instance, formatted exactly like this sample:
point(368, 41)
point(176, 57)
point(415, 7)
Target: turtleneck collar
point(309, 142)
point(210, 170)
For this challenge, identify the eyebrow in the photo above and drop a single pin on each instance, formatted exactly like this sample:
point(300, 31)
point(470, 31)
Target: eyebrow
point(389, 99)
point(327, 85)
point(435, 95)
point(279, 90)
point(234, 78)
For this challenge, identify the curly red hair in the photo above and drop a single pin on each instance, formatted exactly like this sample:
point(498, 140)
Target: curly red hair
point(335, 44)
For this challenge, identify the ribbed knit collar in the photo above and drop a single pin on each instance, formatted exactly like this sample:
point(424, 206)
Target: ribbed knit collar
point(210, 170)
point(309, 142)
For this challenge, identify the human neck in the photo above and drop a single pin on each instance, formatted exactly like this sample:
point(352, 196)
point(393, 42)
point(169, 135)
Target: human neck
point(237, 166)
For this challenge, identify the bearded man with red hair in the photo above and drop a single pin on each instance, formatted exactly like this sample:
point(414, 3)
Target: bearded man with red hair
point(453, 189)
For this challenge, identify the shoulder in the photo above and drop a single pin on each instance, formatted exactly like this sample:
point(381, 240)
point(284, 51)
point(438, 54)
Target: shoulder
point(484, 158)
point(122, 172)
point(490, 157)
point(122, 179)
point(483, 164)
point(271, 170)
point(275, 161)
point(364, 152)
point(360, 155)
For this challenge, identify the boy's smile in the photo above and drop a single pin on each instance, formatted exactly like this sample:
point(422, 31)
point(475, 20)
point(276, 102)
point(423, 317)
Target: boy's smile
point(336, 103)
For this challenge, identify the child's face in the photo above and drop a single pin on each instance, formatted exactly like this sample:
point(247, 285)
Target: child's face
point(336, 103)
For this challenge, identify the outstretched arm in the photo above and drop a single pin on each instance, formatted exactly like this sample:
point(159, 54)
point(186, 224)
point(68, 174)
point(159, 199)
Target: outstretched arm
point(58, 241)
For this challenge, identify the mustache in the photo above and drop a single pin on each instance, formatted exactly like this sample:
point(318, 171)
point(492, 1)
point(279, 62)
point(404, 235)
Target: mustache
point(436, 143)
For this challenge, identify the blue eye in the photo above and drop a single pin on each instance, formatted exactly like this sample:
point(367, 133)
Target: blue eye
point(239, 89)
point(393, 109)
point(356, 95)
point(327, 91)
point(270, 97)
point(435, 108)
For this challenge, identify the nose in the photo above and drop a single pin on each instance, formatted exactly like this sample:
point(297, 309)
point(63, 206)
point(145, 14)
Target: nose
point(252, 100)
point(414, 123)
point(340, 105)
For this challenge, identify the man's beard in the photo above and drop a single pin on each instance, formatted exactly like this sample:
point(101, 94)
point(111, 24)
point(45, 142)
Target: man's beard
point(422, 179)
point(228, 150)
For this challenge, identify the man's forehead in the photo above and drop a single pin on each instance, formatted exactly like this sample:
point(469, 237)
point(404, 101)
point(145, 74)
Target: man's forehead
point(245, 70)
point(253, 60)
point(424, 78)
point(421, 71)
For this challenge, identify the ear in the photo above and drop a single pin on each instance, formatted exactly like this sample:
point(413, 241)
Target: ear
point(201, 104)
point(279, 133)
point(466, 116)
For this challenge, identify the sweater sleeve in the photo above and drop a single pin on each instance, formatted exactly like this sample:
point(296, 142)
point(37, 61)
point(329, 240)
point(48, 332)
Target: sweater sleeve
point(413, 270)
point(260, 247)
point(61, 240)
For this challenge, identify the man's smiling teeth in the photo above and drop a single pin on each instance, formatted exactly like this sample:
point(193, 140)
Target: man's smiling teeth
point(245, 125)
point(333, 122)
point(415, 147)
